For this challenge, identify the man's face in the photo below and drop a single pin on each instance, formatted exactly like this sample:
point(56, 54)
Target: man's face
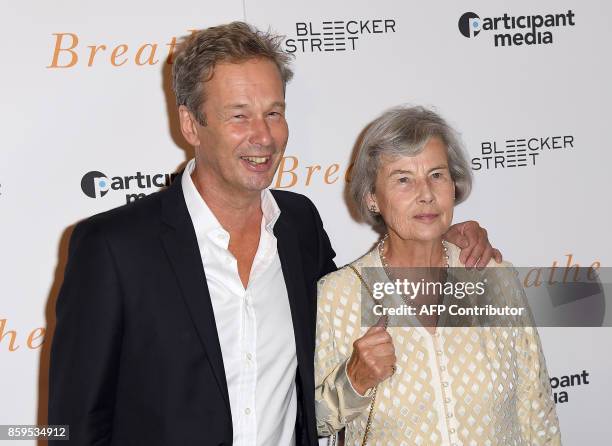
point(245, 135)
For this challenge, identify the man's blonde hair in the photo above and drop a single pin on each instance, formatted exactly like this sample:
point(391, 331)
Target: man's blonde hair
point(235, 42)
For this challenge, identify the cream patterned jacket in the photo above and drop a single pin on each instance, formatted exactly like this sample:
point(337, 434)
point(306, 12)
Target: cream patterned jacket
point(459, 386)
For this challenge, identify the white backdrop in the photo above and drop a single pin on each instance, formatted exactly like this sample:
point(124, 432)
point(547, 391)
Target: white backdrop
point(64, 117)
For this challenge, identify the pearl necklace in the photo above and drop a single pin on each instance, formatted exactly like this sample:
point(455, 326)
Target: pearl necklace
point(383, 259)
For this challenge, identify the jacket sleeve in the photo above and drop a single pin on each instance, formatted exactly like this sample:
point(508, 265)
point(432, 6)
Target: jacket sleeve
point(336, 401)
point(536, 408)
point(87, 341)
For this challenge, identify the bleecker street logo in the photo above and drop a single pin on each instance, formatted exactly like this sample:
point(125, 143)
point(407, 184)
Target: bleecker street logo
point(335, 35)
point(519, 152)
point(96, 184)
point(518, 30)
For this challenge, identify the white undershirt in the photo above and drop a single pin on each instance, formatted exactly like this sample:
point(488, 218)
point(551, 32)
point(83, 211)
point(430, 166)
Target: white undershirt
point(254, 325)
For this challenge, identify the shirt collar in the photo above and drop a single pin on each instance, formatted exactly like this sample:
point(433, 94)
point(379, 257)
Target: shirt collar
point(203, 219)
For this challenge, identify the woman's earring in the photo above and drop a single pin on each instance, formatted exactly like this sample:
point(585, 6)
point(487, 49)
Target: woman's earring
point(373, 209)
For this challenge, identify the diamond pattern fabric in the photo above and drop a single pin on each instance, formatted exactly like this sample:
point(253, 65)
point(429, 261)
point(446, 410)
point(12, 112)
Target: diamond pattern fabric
point(467, 386)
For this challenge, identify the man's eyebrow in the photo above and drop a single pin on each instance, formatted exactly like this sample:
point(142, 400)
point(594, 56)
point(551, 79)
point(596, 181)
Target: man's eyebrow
point(241, 106)
point(235, 106)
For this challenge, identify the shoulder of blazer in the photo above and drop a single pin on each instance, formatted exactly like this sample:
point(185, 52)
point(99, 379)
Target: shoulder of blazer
point(299, 215)
point(295, 207)
point(300, 218)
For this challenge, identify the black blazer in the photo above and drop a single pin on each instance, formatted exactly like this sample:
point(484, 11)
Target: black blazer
point(135, 357)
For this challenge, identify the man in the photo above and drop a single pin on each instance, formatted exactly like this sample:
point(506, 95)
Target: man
point(187, 318)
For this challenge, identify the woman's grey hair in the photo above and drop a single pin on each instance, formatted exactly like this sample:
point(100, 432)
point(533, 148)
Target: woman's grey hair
point(235, 42)
point(404, 131)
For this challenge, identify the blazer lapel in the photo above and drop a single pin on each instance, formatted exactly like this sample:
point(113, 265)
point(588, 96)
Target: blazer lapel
point(181, 246)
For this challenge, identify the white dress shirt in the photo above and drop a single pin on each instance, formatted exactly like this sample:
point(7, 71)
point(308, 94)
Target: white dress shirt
point(254, 325)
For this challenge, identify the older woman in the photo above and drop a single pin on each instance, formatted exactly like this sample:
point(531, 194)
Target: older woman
point(422, 384)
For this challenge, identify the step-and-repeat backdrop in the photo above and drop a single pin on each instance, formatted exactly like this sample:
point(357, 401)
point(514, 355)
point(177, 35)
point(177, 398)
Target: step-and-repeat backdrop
point(85, 93)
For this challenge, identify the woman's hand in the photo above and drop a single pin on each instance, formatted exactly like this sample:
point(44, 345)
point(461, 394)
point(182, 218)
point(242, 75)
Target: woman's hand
point(373, 359)
point(476, 250)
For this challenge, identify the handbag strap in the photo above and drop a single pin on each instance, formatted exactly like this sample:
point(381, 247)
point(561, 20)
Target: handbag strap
point(368, 427)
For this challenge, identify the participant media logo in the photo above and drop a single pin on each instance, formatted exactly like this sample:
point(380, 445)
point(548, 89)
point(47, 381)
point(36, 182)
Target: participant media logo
point(469, 24)
point(561, 385)
point(96, 184)
point(511, 30)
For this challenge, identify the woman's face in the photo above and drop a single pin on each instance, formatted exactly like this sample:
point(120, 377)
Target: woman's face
point(415, 194)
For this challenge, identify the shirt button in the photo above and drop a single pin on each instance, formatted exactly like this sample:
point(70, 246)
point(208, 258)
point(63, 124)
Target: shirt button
point(439, 352)
point(445, 384)
point(442, 368)
point(249, 356)
point(247, 411)
point(452, 431)
point(450, 415)
point(447, 400)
